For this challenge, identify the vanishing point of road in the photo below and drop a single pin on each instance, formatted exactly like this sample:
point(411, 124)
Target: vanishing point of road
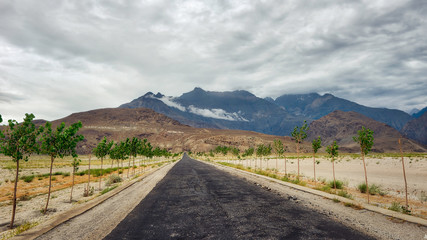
point(198, 201)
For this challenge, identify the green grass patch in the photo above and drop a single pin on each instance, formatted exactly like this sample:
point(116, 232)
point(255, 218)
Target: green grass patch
point(345, 194)
point(108, 189)
point(373, 189)
point(28, 179)
point(395, 206)
point(338, 184)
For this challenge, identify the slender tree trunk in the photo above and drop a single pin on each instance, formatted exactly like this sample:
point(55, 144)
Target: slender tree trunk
point(314, 166)
point(100, 178)
point(50, 184)
point(133, 165)
point(88, 182)
point(112, 161)
point(333, 171)
point(260, 164)
point(298, 158)
point(404, 174)
point(366, 175)
point(128, 167)
point(14, 195)
point(286, 171)
point(277, 168)
point(72, 185)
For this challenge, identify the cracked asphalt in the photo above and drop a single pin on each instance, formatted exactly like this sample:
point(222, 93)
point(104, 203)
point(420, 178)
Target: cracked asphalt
point(198, 201)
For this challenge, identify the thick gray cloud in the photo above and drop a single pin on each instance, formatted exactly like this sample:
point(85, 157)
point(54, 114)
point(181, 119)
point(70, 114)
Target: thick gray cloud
point(59, 57)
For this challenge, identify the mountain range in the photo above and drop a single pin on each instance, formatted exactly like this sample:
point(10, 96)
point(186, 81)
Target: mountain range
point(118, 124)
point(245, 111)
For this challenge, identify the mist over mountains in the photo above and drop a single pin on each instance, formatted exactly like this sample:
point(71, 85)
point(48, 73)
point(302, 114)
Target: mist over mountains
point(243, 110)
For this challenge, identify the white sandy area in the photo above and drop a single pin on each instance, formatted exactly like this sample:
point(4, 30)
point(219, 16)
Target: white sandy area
point(386, 172)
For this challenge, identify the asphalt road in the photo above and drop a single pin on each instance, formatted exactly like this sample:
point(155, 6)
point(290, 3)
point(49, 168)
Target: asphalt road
point(198, 201)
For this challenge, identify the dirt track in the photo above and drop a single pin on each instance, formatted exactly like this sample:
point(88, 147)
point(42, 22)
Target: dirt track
point(198, 201)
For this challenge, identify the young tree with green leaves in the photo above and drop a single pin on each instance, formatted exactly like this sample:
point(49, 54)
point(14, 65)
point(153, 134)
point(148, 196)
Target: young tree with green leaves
point(259, 154)
point(299, 134)
point(279, 149)
point(404, 173)
point(332, 150)
point(249, 152)
point(365, 138)
point(59, 143)
point(316, 144)
point(75, 164)
point(134, 146)
point(19, 141)
point(101, 151)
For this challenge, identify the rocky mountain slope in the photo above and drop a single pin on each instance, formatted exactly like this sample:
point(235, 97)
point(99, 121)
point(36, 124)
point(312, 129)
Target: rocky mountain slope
point(119, 123)
point(342, 126)
point(417, 129)
point(245, 111)
point(224, 110)
point(314, 106)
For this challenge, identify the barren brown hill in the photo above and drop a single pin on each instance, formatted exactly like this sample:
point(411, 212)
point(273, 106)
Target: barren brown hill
point(119, 123)
point(342, 126)
point(417, 129)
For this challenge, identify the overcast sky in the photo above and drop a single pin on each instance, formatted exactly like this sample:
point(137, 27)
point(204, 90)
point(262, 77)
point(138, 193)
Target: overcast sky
point(59, 57)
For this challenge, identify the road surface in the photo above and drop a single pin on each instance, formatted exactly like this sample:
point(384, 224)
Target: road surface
point(198, 201)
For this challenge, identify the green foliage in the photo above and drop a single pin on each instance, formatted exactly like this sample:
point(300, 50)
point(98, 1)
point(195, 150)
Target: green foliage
point(19, 140)
point(278, 147)
point(103, 148)
point(108, 189)
point(365, 138)
point(373, 189)
point(120, 150)
point(248, 152)
point(113, 179)
point(62, 142)
point(332, 150)
point(395, 206)
point(316, 144)
point(75, 164)
point(339, 184)
point(300, 133)
point(263, 150)
point(345, 194)
point(28, 179)
point(376, 189)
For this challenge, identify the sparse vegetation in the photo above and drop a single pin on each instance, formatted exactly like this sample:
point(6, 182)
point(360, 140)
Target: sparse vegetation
point(108, 189)
point(299, 134)
point(113, 179)
point(316, 145)
point(332, 150)
point(365, 138)
point(395, 206)
point(337, 184)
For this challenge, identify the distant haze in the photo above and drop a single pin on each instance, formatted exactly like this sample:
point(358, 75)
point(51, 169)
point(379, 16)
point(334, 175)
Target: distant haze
point(59, 57)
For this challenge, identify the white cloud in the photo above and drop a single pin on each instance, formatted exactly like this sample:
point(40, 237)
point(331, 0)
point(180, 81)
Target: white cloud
point(66, 56)
point(217, 113)
point(209, 113)
point(169, 101)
